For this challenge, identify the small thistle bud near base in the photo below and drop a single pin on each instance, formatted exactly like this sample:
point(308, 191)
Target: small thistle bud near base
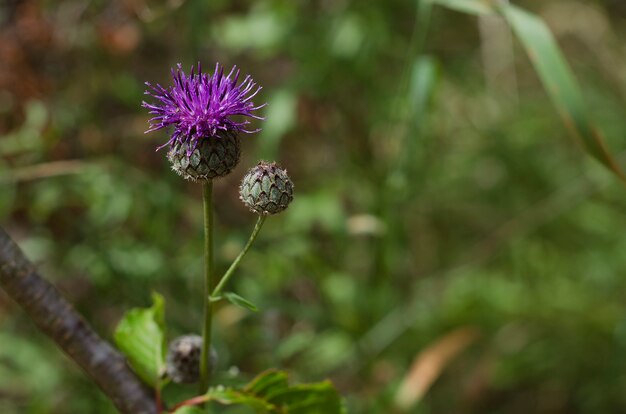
point(213, 157)
point(183, 359)
point(266, 189)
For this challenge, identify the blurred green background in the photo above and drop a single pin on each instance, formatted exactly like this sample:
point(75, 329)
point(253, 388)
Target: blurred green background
point(450, 248)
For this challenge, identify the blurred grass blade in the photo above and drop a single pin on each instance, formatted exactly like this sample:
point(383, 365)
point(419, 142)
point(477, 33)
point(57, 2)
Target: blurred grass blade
point(429, 364)
point(44, 170)
point(421, 85)
point(422, 82)
point(477, 7)
point(422, 24)
point(559, 81)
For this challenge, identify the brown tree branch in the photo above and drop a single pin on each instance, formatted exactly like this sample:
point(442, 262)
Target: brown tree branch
point(54, 315)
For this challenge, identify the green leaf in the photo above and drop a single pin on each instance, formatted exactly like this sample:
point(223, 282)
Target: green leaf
point(235, 397)
point(270, 392)
point(559, 81)
point(477, 7)
point(267, 383)
point(189, 410)
point(309, 399)
point(235, 299)
point(140, 336)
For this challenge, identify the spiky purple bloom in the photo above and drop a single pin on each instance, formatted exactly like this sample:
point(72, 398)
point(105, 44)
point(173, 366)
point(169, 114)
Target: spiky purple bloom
point(200, 105)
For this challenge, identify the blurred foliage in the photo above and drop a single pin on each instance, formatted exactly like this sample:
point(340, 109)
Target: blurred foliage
point(437, 189)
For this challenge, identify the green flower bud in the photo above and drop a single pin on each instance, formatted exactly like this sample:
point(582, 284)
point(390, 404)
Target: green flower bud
point(213, 157)
point(183, 359)
point(266, 189)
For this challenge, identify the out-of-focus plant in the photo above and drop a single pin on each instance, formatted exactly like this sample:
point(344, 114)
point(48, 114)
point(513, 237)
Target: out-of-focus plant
point(552, 68)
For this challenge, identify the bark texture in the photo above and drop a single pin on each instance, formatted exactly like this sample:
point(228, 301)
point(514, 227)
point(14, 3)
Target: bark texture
point(54, 315)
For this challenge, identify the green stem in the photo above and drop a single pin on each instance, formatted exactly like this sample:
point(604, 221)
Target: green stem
point(207, 191)
point(235, 264)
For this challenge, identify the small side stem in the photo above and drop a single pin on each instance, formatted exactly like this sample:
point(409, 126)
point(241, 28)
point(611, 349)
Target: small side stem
point(235, 264)
point(157, 397)
point(191, 402)
point(207, 196)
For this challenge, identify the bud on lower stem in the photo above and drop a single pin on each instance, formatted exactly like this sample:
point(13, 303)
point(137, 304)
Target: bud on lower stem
point(183, 359)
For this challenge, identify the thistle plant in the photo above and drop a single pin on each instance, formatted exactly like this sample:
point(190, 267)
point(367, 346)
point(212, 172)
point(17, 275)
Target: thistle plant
point(207, 115)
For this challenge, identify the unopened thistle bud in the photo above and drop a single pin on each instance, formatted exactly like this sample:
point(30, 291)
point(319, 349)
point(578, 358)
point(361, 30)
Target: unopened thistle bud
point(200, 107)
point(212, 158)
point(266, 189)
point(183, 359)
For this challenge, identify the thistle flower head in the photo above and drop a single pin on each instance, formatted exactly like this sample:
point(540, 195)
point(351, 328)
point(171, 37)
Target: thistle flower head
point(200, 105)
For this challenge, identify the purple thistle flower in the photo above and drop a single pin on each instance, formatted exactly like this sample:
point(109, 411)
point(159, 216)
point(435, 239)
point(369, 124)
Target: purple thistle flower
point(201, 105)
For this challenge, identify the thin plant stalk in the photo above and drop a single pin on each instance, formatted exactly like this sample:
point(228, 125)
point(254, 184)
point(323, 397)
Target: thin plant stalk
point(231, 270)
point(207, 196)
